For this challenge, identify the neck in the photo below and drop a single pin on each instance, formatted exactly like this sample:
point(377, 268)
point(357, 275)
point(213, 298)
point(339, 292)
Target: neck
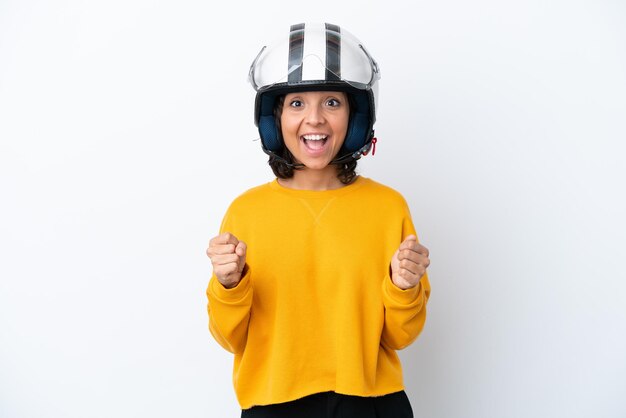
point(308, 179)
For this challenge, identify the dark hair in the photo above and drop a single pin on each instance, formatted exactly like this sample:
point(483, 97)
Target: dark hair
point(346, 172)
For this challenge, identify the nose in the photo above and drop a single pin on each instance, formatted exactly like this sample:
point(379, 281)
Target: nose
point(315, 115)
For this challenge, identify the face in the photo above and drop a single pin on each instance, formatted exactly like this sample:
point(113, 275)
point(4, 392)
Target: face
point(314, 126)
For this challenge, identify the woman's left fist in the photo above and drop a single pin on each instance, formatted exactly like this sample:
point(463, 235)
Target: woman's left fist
point(409, 263)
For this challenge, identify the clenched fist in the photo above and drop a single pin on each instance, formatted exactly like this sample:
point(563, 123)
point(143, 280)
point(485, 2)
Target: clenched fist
point(409, 263)
point(228, 256)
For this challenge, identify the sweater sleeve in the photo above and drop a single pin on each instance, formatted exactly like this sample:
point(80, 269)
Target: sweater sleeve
point(405, 310)
point(229, 309)
point(229, 312)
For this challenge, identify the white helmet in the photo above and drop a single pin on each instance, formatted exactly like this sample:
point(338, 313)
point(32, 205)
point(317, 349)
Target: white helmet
point(317, 57)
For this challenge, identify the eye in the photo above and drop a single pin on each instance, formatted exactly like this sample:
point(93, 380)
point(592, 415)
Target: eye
point(333, 102)
point(295, 103)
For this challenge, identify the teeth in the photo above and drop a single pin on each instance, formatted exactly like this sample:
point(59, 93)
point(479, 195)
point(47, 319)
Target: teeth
point(314, 137)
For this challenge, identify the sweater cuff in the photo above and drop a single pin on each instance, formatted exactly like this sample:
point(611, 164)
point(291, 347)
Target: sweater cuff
point(233, 295)
point(398, 296)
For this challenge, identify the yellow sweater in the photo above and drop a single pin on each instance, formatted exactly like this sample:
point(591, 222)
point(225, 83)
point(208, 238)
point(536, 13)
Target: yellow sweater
point(316, 310)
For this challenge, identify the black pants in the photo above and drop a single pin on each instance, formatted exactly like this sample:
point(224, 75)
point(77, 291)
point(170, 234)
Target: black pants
point(333, 405)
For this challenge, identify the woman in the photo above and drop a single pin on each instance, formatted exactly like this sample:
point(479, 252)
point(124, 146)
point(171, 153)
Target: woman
point(318, 277)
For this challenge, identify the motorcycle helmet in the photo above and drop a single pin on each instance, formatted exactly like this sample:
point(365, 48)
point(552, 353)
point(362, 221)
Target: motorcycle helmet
point(317, 57)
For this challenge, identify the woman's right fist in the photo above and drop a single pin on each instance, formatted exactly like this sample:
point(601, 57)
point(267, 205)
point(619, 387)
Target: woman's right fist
point(228, 256)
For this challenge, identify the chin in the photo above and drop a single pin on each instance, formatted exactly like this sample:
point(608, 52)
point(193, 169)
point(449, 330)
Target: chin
point(317, 165)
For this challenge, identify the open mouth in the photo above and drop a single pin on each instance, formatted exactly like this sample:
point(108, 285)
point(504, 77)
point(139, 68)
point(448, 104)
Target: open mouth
point(314, 142)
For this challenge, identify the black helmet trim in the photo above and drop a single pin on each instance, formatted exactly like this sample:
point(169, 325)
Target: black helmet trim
point(296, 52)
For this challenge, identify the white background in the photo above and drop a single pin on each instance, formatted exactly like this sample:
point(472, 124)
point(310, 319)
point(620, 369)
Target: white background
point(126, 129)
